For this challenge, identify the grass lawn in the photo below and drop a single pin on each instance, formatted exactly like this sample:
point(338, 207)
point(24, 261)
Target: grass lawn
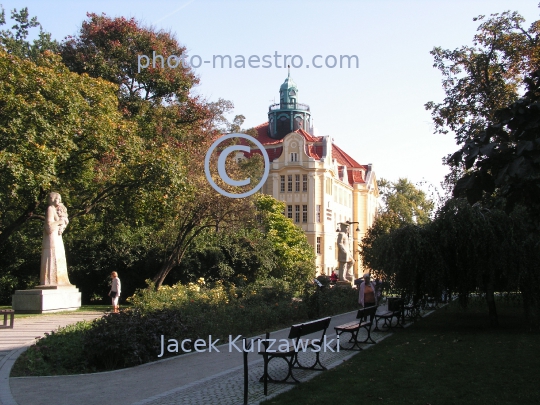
point(84, 308)
point(449, 357)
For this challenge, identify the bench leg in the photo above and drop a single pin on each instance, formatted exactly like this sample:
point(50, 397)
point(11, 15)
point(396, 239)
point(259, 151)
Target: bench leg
point(296, 364)
point(266, 375)
point(353, 340)
point(369, 339)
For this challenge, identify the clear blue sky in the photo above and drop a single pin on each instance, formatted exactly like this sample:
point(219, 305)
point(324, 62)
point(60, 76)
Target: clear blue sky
point(374, 112)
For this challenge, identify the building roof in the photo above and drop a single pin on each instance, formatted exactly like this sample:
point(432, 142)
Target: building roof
point(274, 147)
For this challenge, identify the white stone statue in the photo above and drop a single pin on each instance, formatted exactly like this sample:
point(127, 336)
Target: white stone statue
point(345, 256)
point(53, 256)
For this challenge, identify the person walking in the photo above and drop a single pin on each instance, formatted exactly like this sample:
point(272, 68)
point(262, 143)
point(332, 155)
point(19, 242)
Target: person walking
point(115, 291)
point(367, 296)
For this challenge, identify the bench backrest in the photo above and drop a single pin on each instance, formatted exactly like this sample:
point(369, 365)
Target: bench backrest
point(363, 313)
point(303, 329)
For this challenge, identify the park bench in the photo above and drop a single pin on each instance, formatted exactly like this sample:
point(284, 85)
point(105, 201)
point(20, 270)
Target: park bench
point(353, 328)
point(395, 310)
point(412, 311)
point(296, 333)
point(431, 303)
point(11, 314)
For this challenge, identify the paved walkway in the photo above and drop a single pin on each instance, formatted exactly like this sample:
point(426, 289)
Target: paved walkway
point(194, 378)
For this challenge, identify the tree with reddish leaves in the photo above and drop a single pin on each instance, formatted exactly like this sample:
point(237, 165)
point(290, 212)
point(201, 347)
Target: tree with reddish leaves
point(173, 197)
point(110, 48)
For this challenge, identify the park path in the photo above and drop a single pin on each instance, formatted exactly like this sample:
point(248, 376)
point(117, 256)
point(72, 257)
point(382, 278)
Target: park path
point(15, 341)
point(194, 378)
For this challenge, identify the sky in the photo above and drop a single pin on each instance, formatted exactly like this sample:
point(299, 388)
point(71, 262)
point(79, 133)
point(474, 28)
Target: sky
point(375, 111)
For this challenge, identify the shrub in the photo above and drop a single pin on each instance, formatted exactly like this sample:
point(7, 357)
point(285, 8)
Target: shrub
point(324, 301)
point(58, 353)
point(130, 338)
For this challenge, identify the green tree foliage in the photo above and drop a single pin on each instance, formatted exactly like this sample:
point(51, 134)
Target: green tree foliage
point(503, 165)
point(59, 131)
point(372, 246)
point(483, 78)
point(464, 250)
point(478, 247)
point(263, 248)
point(15, 42)
point(480, 79)
point(402, 198)
point(503, 162)
point(403, 204)
point(295, 256)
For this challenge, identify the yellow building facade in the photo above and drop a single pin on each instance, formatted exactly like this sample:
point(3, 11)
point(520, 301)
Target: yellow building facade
point(319, 182)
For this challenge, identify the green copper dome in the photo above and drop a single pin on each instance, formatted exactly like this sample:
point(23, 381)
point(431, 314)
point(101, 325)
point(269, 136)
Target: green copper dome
point(288, 92)
point(289, 115)
point(288, 84)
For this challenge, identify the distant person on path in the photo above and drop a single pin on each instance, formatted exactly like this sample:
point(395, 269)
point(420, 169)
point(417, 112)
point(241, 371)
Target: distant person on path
point(115, 291)
point(333, 277)
point(367, 296)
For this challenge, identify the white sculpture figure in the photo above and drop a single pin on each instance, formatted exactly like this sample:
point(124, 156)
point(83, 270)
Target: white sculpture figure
point(53, 256)
point(345, 257)
point(61, 211)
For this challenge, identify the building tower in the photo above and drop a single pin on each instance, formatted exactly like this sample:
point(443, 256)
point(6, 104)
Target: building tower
point(289, 115)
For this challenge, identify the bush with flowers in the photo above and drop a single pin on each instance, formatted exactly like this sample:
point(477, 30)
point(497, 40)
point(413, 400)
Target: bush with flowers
point(191, 311)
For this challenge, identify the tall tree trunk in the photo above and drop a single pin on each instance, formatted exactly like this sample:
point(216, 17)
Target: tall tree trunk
point(160, 276)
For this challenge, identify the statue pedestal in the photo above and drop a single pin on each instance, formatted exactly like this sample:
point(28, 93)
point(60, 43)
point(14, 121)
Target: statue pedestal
point(47, 298)
point(343, 284)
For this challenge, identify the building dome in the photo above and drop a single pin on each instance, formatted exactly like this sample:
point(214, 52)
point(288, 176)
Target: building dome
point(289, 115)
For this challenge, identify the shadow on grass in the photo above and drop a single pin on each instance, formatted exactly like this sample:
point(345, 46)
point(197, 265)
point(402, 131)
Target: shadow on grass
point(450, 357)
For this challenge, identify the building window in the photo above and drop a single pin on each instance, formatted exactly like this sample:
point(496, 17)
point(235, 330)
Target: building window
point(297, 183)
point(318, 212)
point(289, 211)
point(289, 183)
point(318, 245)
point(329, 186)
point(297, 214)
point(304, 213)
point(304, 182)
point(282, 184)
point(294, 157)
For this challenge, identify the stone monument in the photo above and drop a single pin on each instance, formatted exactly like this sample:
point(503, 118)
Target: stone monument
point(55, 292)
point(345, 256)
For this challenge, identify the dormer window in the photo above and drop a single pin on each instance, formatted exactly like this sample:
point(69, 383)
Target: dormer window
point(294, 157)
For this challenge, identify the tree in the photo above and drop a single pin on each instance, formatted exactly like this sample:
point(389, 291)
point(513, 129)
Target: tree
point(295, 256)
point(405, 200)
point(479, 80)
point(403, 204)
point(373, 244)
point(482, 261)
point(503, 162)
point(503, 165)
point(464, 250)
point(59, 131)
point(112, 48)
point(15, 43)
